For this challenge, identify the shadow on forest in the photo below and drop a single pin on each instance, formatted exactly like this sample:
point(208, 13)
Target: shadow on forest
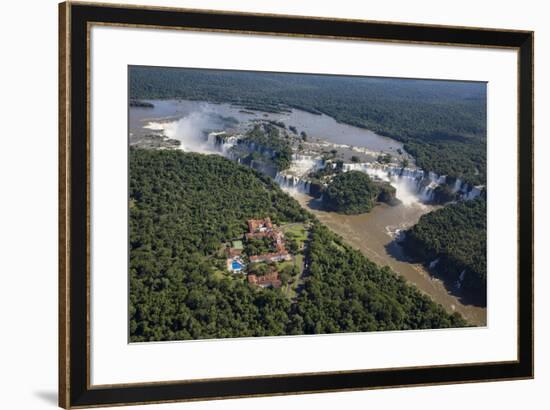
point(316, 204)
point(394, 249)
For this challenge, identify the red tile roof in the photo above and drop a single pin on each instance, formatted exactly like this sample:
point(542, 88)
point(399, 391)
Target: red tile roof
point(269, 279)
point(255, 224)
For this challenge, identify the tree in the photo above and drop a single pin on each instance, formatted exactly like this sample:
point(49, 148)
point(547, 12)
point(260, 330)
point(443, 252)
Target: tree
point(284, 277)
point(384, 159)
point(355, 192)
point(292, 246)
point(442, 124)
point(186, 206)
point(455, 236)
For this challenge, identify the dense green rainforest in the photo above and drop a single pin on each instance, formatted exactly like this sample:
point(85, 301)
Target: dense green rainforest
point(355, 192)
point(441, 123)
point(457, 236)
point(183, 206)
point(271, 149)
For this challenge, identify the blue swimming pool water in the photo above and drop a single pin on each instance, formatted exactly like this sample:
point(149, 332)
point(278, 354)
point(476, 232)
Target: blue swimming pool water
point(236, 265)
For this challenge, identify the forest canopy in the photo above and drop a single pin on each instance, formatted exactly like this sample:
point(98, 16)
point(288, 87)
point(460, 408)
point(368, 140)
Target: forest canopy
point(184, 206)
point(455, 237)
point(268, 143)
point(355, 192)
point(441, 123)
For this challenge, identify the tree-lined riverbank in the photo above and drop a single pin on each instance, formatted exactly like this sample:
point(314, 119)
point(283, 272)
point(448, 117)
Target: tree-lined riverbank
point(374, 235)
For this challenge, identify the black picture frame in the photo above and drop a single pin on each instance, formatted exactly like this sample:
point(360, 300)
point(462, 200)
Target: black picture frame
point(74, 209)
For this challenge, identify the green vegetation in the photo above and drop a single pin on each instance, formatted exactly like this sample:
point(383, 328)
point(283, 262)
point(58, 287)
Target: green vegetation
point(441, 123)
point(387, 193)
point(466, 159)
point(384, 159)
point(295, 235)
point(258, 246)
point(260, 269)
point(355, 192)
point(457, 236)
point(237, 245)
point(264, 142)
point(443, 194)
point(345, 292)
point(183, 206)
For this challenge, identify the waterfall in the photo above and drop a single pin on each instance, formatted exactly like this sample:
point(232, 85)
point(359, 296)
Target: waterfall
point(434, 263)
point(295, 177)
point(229, 143)
point(413, 184)
point(457, 185)
point(221, 142)
point(304, 164)
point(211, 139)
point(460, 279)
point(292, 183)
point(473, 193)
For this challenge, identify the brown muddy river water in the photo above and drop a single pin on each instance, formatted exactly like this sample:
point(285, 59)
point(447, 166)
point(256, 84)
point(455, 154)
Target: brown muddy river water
point(374, 233)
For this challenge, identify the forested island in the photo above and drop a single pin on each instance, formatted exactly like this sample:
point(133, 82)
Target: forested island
point(441, 123)
point(265, 145)
point(452, 240)
point(184, 207)
point(355, 192)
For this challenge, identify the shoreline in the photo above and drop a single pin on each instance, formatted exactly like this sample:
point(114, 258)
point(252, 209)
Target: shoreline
point(369, 234)
point(372, 235)
point(390, 145)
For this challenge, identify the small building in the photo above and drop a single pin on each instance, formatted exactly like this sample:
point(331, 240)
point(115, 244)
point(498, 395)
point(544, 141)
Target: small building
point(269, 280)
point(271, 257)
point(259, 225)
point(281, 256)
point(257, 235)
point(279, 240)
point(263, 228)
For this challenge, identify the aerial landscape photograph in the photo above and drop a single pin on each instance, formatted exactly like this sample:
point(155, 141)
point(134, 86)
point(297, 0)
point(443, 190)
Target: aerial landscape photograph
point(286, 204)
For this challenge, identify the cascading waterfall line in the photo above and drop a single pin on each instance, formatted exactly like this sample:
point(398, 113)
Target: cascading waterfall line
point(295, 177)
point(414, 185)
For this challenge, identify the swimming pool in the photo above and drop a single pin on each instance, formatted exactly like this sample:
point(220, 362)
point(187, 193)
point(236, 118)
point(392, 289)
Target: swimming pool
point(236, 265)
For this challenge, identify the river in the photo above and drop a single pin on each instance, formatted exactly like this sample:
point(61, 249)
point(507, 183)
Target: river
point(206, 116)
point(373, 234)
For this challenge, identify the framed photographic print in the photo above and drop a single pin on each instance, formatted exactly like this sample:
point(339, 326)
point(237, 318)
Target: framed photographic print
point(261, 205)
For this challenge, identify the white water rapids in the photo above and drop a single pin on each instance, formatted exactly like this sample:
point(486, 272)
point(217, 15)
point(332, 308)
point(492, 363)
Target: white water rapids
point(413, 185)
